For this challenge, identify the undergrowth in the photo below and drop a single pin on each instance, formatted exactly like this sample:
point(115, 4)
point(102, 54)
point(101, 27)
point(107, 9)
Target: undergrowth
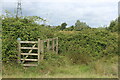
point(63, 68)
point(87, 53)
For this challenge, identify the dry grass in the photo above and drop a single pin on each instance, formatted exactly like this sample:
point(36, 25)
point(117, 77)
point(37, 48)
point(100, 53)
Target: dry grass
point(107, 67)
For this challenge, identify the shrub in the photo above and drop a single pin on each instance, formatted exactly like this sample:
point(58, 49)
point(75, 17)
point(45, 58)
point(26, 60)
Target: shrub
point(18, 28)
point(94, 43)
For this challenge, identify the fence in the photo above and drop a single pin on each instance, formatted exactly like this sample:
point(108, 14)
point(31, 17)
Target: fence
point(36, 49)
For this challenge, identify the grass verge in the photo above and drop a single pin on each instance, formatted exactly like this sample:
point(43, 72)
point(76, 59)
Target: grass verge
point(102, 68)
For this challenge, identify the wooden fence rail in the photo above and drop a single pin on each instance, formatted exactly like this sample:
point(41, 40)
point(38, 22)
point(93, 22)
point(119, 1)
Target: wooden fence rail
point(51, 45)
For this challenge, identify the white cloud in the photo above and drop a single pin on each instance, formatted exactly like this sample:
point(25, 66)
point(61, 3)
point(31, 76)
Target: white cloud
point(82, 1)
point(94, 12)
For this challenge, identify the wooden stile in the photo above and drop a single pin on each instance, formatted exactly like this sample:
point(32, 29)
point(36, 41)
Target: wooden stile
point(40, 50)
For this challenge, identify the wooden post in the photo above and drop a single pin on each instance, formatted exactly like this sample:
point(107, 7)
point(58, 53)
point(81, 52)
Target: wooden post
point(19, 50)
point(48, 44)
point(42, 49)
point(39, 51)
point(53, 44)
point(57, 45)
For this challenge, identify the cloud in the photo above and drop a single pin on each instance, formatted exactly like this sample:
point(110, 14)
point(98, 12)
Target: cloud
point(119, 8)
point(94, 12)
point(58, 1)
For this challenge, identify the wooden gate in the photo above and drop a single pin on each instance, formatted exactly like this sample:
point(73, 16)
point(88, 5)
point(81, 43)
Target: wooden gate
point(32, 52)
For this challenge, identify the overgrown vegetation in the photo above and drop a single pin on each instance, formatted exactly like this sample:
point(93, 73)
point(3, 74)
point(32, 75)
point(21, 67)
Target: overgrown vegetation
point(82, 50)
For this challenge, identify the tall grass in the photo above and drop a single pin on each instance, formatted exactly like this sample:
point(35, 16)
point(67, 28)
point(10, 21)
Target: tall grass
point(54, 68)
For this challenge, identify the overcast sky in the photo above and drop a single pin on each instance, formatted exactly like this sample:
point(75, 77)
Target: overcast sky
point(95, 13)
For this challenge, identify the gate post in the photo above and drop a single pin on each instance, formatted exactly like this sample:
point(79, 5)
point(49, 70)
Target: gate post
point(48, 44)
point(53, 44)
point(39, 51)
point(57, 45)
point(42, 49)
point(19, 50)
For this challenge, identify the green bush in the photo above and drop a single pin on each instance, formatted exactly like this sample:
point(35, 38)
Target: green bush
point(90, 43)
point(95, 43)
point(13, 28)
point(54, 59)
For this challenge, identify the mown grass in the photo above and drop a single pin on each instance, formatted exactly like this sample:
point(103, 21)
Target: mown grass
point(50, 69)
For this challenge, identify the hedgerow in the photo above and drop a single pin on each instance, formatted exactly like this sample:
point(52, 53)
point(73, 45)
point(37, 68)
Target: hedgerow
point(26, 29)
point(80, 46)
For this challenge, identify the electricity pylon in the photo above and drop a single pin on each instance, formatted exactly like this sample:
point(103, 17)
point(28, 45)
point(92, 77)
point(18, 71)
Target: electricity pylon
point(19, 9)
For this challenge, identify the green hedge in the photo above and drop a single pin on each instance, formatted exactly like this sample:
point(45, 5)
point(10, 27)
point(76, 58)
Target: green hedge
point(89, 44)
point(13, 28)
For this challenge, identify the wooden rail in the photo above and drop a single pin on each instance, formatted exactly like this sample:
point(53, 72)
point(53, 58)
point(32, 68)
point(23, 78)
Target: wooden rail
point(28, 41)
point(51, 45)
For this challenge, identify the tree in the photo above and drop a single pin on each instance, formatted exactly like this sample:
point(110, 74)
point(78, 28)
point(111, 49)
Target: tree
point(113, 27)
point(119, 23)
point(80, 25)
point(71, 28)
point(63, 26)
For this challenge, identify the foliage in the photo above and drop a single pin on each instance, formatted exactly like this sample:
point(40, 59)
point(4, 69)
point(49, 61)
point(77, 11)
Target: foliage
point(63, 26)
point(96, 69)
point(113, 27)
point(89, 43)
point(26, 29)
point(80, 25)
point(60, 27)
point(93, 43)
point(101, 66)
point(71, 28)
point(54, 59)
point(82, 50)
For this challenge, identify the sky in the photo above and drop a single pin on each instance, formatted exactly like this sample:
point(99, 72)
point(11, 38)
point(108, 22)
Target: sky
point(96, 13)
point(119, 8)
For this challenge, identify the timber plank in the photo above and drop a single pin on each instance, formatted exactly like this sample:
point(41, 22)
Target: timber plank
point(29, 54)
point(30, 59)
point(28, 41)
point(30, 65)
point(29, 48)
